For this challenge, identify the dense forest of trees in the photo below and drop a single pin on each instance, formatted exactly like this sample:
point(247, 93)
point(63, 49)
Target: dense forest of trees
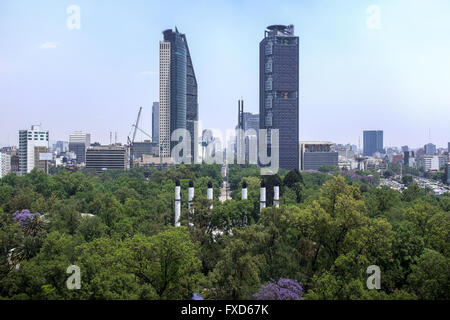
point(118, 228)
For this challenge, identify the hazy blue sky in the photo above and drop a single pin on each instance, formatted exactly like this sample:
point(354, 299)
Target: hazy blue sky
point(396, 79)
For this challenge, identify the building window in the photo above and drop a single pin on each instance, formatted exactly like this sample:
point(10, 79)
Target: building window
point(269, 84)
point(269, 136)
point(269, 66)
point(269, 100)
point(268, 119)
point(286, 94)
point(269, 48)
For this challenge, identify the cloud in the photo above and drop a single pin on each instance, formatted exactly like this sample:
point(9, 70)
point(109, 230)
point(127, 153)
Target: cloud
point(48, 45)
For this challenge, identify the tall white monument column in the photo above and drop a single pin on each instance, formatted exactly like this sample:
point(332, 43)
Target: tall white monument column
point(262, 196)
point(177, 203)
point(276, 196)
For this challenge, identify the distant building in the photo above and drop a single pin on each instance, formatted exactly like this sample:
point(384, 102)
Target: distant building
point(208, 144)
point(61, 147)
point(420, 152)
point(41, 163)
point(447, 171)
point(13, 153)
point(251, 121)
point(278, 91)
point(106, 158)
point(249, 124)
point(31, 143)
point(345, 151)
point(374, 164)
point(155, 122)
point(146, 147)
point(405, 148)
point(5, 164)
point(78, 143)
point(406, 157)
point(15, 163)
point(372, 142)
point(398, 158)
point(178, 102)
point(431, 163)
point(314, 155)
point(149, 161)
point(430, 149)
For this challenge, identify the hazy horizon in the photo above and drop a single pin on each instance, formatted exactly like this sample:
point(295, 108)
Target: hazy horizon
point(352, 78)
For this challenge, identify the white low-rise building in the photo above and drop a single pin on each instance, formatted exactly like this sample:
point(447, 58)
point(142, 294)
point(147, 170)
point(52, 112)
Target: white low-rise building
point(5, 164)
point(431, 163)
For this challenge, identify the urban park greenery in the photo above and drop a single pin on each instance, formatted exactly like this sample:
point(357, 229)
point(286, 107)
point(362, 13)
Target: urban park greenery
point(117, 227)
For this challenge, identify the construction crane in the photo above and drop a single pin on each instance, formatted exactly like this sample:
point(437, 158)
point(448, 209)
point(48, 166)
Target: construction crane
point(143, 132)
point(131, 141)
point(137, 124)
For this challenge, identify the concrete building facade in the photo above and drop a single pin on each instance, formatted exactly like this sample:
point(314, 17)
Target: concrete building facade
point(155, 122)
point(316, 154)
point(102, 158)
point(5, 164)
point(78, 144)
point(29, 140)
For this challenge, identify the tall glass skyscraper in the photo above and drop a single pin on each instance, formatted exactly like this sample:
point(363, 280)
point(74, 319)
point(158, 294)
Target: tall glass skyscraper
point(278, 91)
point(178, 105)
point(372, 142)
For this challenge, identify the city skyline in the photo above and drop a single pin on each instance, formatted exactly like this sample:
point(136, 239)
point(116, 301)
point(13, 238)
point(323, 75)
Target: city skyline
point(348, 72)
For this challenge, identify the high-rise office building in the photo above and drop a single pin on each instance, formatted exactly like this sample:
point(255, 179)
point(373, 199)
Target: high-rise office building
point(30, 143)
point(372, 142)
point(78, 144)
point(109, 157)
point(249, 124)
point(406, 157)
point(430, 149)
point(278, 91)
point(178, 103)
point(155, 122)
point(251, 121)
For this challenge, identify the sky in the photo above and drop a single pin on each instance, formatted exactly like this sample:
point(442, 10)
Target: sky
point(358, 71)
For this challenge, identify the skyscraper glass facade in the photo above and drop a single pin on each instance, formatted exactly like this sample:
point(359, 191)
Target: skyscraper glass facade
point(278, 88)
point(373, 142)
point(183, 101)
